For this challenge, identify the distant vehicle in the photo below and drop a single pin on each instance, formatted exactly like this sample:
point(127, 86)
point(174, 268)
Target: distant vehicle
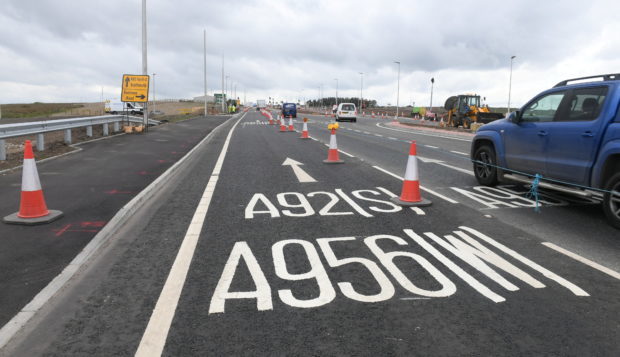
point(465, 109)
point(260, 104)
point(346, 111)
point(569, 134)
point(289, 109)
point(123, 107)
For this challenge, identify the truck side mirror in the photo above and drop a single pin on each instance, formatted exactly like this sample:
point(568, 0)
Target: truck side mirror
point(514, 117)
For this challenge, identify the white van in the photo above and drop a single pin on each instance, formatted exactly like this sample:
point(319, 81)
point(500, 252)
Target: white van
point(120, 108)
point(346, 111)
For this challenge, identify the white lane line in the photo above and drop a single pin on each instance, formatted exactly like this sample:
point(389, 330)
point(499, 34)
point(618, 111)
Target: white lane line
point(367, 133)
point(459, 152)
point(357, 131)
point(418, 211)
point(156, 333)
point(379, 135)
point(465, 171)
point(421, 187)
point(344, 152)
point(432, 147)
point(583, 260)
point(418, 132)
point(392, 138)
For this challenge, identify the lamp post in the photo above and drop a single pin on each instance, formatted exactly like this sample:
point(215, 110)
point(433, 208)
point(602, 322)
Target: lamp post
point(432, 84)
point(204, 47)
point(336, 79)
point(225, 93)
point(397, 89)
point(510, 84)
point(154, 91)
point(144, 63)
point(361, 90)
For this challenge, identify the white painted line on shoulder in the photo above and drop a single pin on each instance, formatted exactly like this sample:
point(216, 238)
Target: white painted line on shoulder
point(346, 153)
point(415, 298)
point(156, 333)
point(392, 138)
point(431, 146)
point(379, 135)
point(448, 199)
point(459, 152)
point(583, 260)
point(367, 133)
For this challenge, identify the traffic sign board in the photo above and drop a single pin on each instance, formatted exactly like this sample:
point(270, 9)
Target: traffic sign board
point(135, 88)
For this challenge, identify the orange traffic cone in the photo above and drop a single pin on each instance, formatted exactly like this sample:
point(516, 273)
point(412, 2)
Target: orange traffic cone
point(290, 123)
point(270, 119)
point(332, 154)
point(373, 114)
point(304, 132)
point(410, 195)
point(32, 207)
point(282, 126)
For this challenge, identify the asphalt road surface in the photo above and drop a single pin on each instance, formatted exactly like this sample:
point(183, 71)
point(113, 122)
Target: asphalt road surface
point(242, 255)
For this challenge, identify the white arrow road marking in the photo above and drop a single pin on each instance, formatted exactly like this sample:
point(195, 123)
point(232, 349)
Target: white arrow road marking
point(302, 175)
point(439, 162)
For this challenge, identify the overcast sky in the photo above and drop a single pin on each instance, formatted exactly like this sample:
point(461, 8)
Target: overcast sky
point(67, 50)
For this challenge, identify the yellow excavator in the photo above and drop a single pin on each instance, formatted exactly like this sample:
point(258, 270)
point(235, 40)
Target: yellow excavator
point(465, 109)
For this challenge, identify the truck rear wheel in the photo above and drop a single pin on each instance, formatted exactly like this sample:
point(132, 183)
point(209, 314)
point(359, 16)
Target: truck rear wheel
point(485, 165)
point(611, 201)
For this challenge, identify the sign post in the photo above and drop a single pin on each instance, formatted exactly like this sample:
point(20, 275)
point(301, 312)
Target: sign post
point(135, 88)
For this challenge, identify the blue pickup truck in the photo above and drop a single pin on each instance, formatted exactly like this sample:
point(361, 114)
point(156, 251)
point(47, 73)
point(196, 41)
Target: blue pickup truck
point(569, 135)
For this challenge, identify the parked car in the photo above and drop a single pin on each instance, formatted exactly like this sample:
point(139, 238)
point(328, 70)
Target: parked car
point(289, 110)
point(569, 134)
point(346, 111)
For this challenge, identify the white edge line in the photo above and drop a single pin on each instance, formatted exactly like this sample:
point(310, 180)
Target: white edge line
point(421, 187)
point(156, 333)
point(583, 260)
point(8, 331)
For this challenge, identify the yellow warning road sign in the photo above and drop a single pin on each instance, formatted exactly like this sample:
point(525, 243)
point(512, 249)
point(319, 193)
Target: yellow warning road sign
point(135, 88)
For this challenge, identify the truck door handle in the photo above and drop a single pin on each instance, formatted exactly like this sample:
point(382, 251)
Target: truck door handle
point(542, 133)
point(587, 134)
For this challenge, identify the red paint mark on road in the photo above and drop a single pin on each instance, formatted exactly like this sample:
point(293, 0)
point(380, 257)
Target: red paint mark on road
point(61, 231)
point(81, 227)
point(97, 224)
point(115, 191)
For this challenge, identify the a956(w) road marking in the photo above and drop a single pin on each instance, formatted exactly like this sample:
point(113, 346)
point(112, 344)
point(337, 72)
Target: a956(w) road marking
point(473, 248)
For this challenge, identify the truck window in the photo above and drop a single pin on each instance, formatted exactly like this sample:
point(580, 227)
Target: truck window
point(543, 109)
point(585, 104)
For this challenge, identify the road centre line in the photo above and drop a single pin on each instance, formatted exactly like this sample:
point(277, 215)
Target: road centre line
point(418, 132)
point(583, 260)
point(432, 147)
point(156, 333)
point(421, 187)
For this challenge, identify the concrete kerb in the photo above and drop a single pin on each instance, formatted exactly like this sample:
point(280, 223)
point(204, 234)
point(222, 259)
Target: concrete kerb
point(11, 328)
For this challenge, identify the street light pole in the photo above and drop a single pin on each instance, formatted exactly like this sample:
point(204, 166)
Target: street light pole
point(144, 63)
point(223, 85)
point(510, 84)
point(432, 84)
point(361, 90)
point(154, 91)
point(397, 89)
point(336, 79)
point(205, 66)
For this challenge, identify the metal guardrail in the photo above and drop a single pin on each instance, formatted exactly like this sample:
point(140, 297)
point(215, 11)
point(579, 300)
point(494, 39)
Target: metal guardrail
point(41, 127)
point(46, 126)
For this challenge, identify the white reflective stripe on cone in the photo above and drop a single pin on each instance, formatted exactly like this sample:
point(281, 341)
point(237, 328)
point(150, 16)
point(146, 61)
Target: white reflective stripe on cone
point(30, 176)
point(411, 174)
point(332, 142)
